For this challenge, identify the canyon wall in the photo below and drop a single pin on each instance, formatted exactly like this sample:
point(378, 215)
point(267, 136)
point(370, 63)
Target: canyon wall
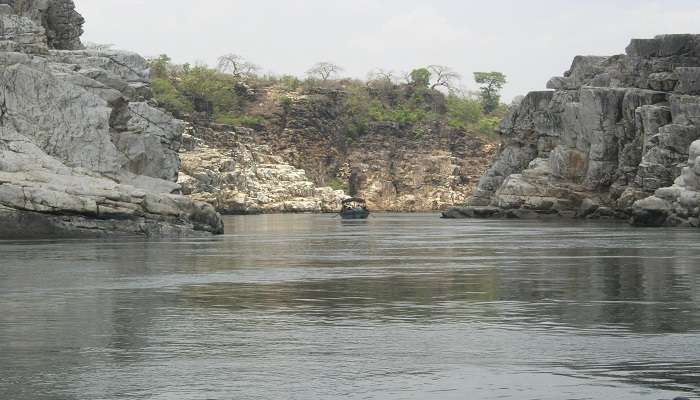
point(615, 138)
point(82, 151)
point(288, 164)
point(424, 167)
point(223, 166)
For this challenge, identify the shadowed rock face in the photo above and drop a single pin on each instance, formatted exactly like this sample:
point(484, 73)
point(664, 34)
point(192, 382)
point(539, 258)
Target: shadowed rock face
point(62, 23)
point(614, 138)
point(82, 153)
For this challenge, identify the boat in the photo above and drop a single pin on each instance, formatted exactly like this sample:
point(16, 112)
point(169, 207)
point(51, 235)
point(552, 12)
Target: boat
point(354, 208)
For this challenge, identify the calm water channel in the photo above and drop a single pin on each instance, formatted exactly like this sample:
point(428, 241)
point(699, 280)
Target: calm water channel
point(397, 307)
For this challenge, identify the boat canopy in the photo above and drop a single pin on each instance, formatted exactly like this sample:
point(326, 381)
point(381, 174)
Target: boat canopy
point(354, 200)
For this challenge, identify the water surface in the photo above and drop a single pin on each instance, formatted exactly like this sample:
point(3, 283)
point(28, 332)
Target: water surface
point(397, 307)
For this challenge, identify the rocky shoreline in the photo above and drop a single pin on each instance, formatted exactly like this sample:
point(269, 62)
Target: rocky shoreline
point(616, 138)
point(85, 150)
point(223, 166)
point(82, 151)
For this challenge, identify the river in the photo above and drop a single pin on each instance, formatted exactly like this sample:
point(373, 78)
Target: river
point(397, 307)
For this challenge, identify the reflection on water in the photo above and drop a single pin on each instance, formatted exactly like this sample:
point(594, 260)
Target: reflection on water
point(396, 307)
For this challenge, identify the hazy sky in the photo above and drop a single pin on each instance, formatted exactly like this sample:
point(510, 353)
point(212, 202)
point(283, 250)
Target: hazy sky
point(529, 40)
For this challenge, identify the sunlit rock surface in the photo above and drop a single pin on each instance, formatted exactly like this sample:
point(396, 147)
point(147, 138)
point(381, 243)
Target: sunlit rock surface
point(82, 153)
point(616, 138)
point(426, 167)
point(228, 170)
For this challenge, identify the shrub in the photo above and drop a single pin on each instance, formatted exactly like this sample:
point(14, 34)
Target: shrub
point(487, 126)
point(463, 112)
point(338, 184)
point(286, 103)
point(213, 87)
point(170, 98)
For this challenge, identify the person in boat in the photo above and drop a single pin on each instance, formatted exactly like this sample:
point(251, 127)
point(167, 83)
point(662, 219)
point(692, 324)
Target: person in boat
point(355, 208)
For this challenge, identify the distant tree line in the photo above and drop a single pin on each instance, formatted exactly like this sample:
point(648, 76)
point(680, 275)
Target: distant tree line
point(227, 93)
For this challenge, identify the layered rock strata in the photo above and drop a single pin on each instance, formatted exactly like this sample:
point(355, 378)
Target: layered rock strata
point(615, 138)
point(82, 152)
point(225, 168)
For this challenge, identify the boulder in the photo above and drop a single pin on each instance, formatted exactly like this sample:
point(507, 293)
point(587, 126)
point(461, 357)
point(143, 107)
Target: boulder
point(651, 211)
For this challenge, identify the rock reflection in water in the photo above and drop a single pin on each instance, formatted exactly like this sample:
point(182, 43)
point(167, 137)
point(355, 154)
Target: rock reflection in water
point(397, 307)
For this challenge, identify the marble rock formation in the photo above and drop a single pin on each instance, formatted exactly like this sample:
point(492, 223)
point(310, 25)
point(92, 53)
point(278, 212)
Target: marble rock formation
point(615, 138)
point(394, 167)
point(82, 153)
point(63, 25)
point(228, 170)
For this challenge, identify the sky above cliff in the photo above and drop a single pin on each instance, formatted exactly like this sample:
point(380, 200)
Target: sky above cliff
point(530, 41)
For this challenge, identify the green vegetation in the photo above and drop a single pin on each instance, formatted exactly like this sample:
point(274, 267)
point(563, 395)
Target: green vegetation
point(249, 121)
point(463, 112)
point(170, 97)
point(338, 184)
point(235, 94)
point(487, 126)
point(492, 83)
point(420, 77)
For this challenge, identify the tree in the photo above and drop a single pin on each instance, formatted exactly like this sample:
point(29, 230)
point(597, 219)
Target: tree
point(443, 76)
point(237, 66)
point(420, 77)
point(324, 71)
point(381, 75)
point(491, 85)
point(160, 66)
point(381, 82)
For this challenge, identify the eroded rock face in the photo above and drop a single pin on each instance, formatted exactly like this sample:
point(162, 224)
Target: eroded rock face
point(394, 168)
point(82, 153)
point(614, 132)
point(227, 169)
point(409, 175)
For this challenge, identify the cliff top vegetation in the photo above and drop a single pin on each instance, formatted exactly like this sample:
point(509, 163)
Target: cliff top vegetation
point(236, 93)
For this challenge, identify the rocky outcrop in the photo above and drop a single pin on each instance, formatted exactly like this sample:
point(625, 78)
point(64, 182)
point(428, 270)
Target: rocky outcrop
point(228, 170)
point(81, 150)
point(615, 138)
point(395, 168)
point(62, 24)
point(411, 174)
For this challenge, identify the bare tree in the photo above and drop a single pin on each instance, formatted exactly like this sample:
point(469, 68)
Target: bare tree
point(443, 76)
point(382, 75)
point(381, 82)
point(237, 66)
point(324, 71)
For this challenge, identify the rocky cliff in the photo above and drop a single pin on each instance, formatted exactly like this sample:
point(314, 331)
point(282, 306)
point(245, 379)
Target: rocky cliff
point(616, 137)
point(226, 168)
point(427, 166)
point(82, 152)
